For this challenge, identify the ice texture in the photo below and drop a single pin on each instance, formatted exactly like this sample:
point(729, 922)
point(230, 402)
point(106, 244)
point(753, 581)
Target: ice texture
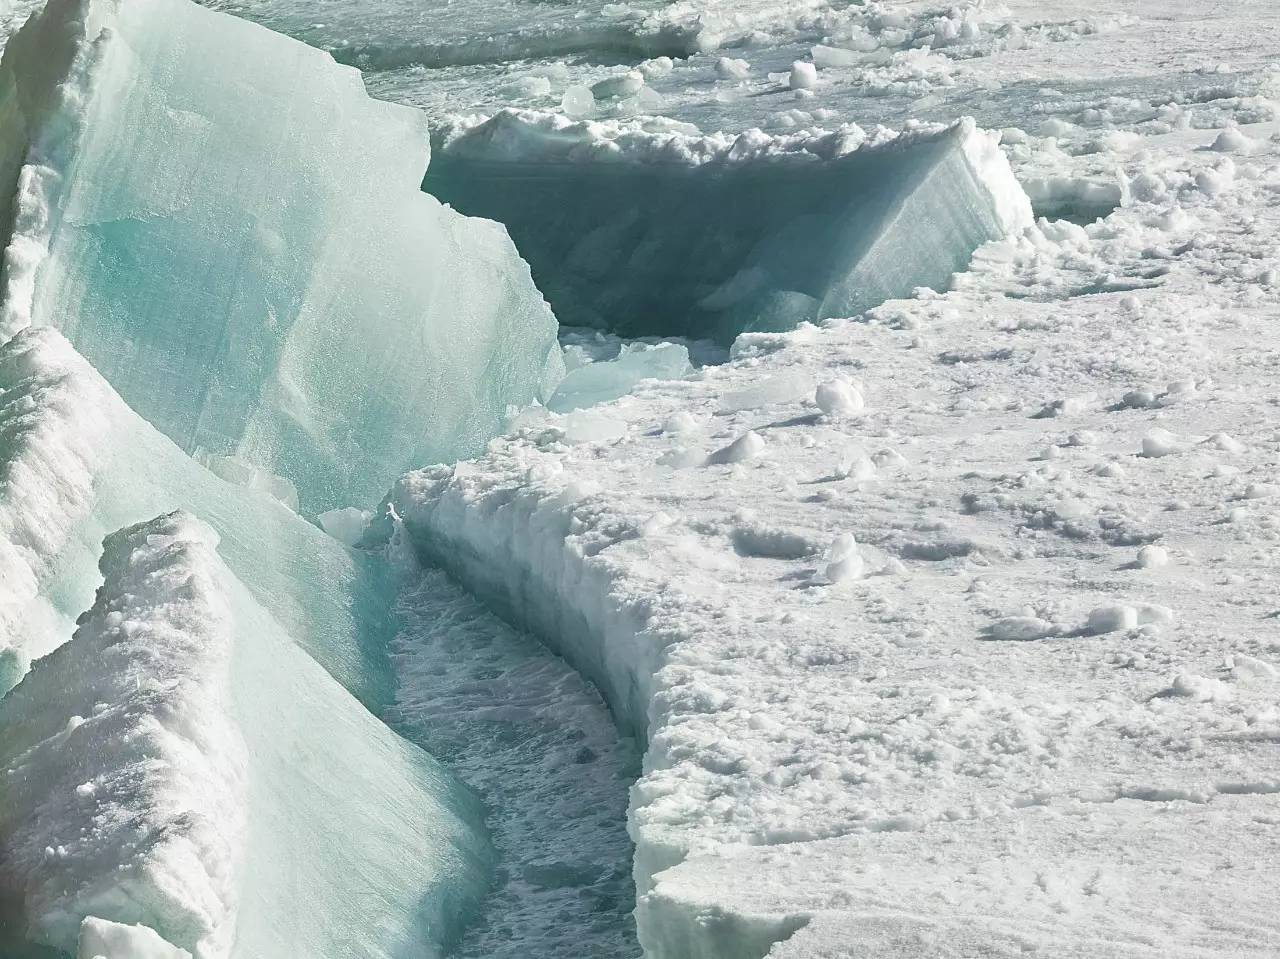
point(76, 463)
point(231, 231)
point(670, 234)
point(182, 764)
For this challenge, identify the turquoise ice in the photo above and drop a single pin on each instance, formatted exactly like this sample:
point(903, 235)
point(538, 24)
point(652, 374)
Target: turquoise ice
point(231, 231)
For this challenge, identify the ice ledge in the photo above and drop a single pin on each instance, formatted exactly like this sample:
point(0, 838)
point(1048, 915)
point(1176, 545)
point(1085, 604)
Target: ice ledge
point(648, 227)
point(287, 288)
point(174, 763)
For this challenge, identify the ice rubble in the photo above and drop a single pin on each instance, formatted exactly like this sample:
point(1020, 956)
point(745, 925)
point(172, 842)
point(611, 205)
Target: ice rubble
point(654, 230)
point(76, 463)
point(182, 765)
point(254, 270)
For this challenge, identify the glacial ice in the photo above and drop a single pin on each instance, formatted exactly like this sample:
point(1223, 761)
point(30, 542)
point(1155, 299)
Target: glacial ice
point(182, 765)
point(661, 232)
point(231, 231)
point(76, 463)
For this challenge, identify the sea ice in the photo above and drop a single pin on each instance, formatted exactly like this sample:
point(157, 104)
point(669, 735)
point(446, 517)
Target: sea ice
point(671, 234)
point(231, 231)
point(77, 463)
point(182, 764)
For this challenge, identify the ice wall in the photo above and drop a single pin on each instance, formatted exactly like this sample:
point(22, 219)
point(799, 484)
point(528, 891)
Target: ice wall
point(231, 231)
point(76, 463)
point(183, 768)
point(665, 233)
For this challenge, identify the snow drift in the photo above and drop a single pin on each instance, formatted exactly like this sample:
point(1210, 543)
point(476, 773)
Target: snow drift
point(231, 231)
point(183, 770)
point(665, 233)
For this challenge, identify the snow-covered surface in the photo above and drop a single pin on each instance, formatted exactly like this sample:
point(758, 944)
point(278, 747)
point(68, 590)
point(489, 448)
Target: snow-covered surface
point(183, 765)
point(653, 230)
point(1043, 713)
point(948, 630)
point(231, 231)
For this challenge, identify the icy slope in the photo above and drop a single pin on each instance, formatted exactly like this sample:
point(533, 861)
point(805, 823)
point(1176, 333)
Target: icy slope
point(76, 463)
point(230, 230)
point(182, 764)
point(950, 628)
point(661, 232)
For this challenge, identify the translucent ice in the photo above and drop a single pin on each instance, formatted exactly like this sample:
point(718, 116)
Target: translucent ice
point(671, 234)
point(182, 765)
point(230, 230)
point(608, 379)
point(77, 463)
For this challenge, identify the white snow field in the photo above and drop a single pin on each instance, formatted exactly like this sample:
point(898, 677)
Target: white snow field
point(182, 767)
point(933, 616)
point(230, 230)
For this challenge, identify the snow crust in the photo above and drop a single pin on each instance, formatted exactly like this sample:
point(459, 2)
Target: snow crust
point(175, 764)
point(656, 230)
point(243, 313)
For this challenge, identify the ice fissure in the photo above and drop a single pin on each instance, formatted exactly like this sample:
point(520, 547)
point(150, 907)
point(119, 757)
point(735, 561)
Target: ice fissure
point(201, 765)
point(221, 296)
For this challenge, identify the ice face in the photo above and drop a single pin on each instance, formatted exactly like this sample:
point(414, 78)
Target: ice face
point(675, 238)
point(181, 764)
point(230, 230)
point(77, 463)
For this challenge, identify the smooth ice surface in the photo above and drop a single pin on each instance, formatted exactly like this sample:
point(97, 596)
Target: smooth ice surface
point(76, 463)
point(604, 380)
point(664, 233)
point(230, 230)
point(183, 764)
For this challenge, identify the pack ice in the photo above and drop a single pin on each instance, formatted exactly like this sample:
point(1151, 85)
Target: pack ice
point(658, 231)
point(181, 779)
point(230, 230)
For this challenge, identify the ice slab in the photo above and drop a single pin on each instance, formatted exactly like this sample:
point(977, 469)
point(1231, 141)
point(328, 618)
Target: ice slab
point(231, 231)
point(77, 463)
point(181, 764)
point(666, 233)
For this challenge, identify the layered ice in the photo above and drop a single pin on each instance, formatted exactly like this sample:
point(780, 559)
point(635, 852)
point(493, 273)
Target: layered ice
point(657, 231)
point(76, 463)
point(230, 230)
point(182, 776)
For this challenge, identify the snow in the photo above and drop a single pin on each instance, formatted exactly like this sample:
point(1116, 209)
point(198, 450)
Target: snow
point(649, 230)
point(259, 304)
point(172, 766)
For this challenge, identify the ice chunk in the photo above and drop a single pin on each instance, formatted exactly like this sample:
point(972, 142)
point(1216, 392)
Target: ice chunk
point(609, 379)
point(230, 230)
point(675, 235)
point(100, 939)
point(76, 463)
point(174, 764)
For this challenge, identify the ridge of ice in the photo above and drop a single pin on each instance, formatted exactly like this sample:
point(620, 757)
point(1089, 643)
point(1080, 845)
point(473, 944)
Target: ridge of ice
point(77, 463)
point(175, 763)
point(292, 298)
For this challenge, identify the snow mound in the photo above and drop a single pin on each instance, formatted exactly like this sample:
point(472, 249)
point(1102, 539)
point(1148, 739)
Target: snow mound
point(172, 766)
point(645, 228)
point(232, 232)
point(77, 463)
